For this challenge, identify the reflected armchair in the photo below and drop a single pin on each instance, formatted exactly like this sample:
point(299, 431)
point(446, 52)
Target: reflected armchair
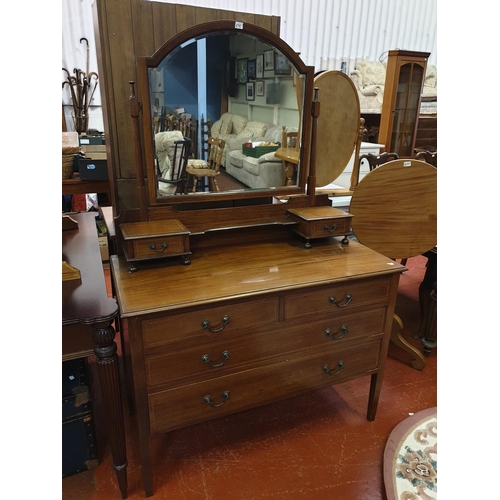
point(172, 154)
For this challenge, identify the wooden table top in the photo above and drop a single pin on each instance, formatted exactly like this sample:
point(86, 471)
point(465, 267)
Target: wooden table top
point(75, 185)
point(86, 300)
point(240, 271)
point(288, 154)
point(394, 208)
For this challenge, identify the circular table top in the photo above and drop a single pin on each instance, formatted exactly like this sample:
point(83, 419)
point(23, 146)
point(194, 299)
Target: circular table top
point(394, 209)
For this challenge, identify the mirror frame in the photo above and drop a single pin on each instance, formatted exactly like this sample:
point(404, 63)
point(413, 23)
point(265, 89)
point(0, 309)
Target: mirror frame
point(145, 63)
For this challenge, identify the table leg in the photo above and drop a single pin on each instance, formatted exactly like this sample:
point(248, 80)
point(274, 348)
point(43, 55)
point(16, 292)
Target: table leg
point(397, 325)
point(373, 398)
point(289, 170)
point(424, 293)
point(109, 378)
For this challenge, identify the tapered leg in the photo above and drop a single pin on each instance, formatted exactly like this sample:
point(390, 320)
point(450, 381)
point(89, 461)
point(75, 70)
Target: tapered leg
point(375, 386)
point(109, 378)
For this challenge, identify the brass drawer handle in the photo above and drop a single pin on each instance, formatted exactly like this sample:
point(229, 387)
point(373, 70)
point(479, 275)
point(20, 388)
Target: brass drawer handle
point(206, 359)
point(347, 299)
point(163, 246)
point(206, 324)
point(340, 365)
point(208, 399)
point(326, 228)
point(342, 330)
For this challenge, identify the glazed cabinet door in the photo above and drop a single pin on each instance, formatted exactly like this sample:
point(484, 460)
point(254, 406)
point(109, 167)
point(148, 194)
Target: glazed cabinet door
point(402, 96)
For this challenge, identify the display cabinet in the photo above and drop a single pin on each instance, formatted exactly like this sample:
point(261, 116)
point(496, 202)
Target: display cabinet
point(402, 96)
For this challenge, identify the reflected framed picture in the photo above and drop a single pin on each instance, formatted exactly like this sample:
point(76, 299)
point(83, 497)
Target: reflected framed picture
point(242, 70)
point(250, 91)
point(251, 69)
point(281, 65)
point(259, 88)
point(273, 93)
point(259, 70)
point(268, 60)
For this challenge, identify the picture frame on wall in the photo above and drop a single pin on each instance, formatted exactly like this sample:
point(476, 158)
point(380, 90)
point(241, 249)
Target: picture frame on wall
point(251, 69)
point(268, 60)
point(242, 70)
point(281, 65)
point(259, 69)
point(259, 88)
point(273, 93)
point(250, 91)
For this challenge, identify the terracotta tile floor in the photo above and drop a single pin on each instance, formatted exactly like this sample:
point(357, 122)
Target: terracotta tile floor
point(316, 446)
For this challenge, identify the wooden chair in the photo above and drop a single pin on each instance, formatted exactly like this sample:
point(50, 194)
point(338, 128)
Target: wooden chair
point(289, 140)
point(210, 169)
point(375, 161)
point(205, 127)
point(176, 177)
point(394, 210)
point(428, 156)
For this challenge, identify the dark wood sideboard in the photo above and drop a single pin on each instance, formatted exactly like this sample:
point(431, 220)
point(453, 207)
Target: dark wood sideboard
point(87, 328)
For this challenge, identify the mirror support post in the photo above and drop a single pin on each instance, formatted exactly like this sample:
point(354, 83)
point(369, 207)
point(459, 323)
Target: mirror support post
point(356, 166)
point(141, 188)
point(311, 180)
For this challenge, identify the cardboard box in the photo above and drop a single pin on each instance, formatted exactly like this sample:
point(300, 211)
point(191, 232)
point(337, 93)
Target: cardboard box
point(94, 148)
point(93, 169)
point(70, 144)
point(104, 248)
point(96, 152)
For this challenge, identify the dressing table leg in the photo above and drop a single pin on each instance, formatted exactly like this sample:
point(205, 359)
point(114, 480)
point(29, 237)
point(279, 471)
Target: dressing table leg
point(375, 387)
point(141, 403)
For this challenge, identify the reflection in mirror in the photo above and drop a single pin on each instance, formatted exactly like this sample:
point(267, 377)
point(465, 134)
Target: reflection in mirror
point(230, 86)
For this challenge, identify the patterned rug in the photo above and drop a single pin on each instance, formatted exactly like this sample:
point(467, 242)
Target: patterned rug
point(410, 458)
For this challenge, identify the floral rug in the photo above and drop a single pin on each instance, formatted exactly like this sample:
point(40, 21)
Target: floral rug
point(410, 458)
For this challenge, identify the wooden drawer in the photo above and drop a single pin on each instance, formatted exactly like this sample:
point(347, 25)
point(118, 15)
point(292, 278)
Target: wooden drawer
point(167, 366)
point(157, 247)
point(207, 325)
point(333, 300)
point(320, 222)
point(187, 404)
point(154, 239)
point(323, 229)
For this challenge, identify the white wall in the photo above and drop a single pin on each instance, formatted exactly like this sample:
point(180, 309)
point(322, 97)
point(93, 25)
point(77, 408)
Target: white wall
point(324, 32)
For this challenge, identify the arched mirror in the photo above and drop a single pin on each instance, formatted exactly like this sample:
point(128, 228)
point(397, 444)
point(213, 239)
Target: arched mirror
point(257, 93)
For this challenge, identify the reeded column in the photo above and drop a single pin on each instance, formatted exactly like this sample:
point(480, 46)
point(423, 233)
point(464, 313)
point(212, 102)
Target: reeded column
point(103, 335)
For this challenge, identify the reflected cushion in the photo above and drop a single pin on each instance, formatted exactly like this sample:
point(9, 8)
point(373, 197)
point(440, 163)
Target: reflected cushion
point(253, 129)
point(197, 164)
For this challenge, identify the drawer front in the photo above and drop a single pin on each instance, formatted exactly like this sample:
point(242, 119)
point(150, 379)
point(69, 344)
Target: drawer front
point(333, 300)
point(330, 227)
point(161, 246)
point(203, 401)
point(223, 357)
point(212, 324)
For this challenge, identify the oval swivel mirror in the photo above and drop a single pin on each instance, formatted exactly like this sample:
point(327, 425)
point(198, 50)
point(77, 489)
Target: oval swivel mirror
point(257, 93)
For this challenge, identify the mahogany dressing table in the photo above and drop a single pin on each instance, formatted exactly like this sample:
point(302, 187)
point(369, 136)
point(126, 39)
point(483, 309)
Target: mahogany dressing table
point(257, 316)
point(249, 324)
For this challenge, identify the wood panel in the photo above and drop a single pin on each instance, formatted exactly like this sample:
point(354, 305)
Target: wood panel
point(124, 30)
point(427, 132)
